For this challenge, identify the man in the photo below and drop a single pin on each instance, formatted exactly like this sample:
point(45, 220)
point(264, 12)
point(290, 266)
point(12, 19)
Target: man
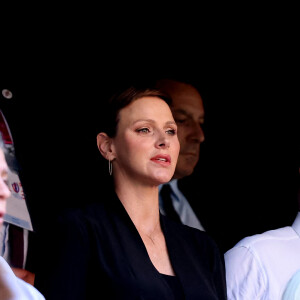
point(11, 287)
point(188, 111)
point(260, 266)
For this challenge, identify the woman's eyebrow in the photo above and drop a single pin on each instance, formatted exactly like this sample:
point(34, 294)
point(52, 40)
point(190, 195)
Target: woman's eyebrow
point(143, 120)
point(153, 122)
point(171, 123)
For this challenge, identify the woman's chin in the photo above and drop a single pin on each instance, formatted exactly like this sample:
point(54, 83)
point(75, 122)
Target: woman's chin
point(163, 179)
point(160, 177)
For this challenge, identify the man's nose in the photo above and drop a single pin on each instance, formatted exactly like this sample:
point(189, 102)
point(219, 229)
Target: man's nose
point(197, 132)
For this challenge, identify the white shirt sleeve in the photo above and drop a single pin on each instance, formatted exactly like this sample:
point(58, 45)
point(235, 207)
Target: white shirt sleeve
point(292, 291)
point(245, 277)
point(14, 288)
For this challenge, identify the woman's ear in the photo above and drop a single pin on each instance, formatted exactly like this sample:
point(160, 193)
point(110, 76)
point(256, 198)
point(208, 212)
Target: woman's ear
point(104, 145)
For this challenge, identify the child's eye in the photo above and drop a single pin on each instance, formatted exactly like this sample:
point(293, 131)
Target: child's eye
point(6, 181)
point(143, 130)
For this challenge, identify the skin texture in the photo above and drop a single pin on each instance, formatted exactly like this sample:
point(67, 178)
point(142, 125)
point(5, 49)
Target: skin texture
point(188, 111)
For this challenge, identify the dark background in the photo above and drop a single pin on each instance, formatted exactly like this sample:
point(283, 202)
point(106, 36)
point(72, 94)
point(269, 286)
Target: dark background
point(248, 164)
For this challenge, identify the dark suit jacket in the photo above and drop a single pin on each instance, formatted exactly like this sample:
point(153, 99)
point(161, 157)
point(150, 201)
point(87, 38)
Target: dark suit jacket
point(99, 252)
point(208, 209)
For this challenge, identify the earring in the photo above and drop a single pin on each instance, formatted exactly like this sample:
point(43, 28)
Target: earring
point(109, 167)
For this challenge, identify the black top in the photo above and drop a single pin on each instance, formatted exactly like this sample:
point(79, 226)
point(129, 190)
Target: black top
point(98, 251)
point(175, 286)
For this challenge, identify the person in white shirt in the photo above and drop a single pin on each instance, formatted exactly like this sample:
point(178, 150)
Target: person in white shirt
point(11, 287)
point(260, 266)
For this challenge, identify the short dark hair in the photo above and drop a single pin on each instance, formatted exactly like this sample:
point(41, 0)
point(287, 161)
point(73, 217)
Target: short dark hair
point(123, 98)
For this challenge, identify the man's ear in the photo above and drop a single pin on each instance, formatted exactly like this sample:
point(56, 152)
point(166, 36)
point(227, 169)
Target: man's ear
point(104, 143)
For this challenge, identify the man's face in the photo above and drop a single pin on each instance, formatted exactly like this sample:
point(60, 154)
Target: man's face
point(188, 112)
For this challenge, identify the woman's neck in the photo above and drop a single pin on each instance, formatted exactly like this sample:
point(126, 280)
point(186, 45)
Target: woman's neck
point(140, 202)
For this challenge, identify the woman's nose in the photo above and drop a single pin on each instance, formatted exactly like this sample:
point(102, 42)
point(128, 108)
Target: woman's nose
point(163, 141)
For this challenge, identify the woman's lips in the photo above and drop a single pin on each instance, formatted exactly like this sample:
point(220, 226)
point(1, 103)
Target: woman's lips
point(162, 159)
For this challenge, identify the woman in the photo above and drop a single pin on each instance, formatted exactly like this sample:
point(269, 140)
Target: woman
point(123, 248)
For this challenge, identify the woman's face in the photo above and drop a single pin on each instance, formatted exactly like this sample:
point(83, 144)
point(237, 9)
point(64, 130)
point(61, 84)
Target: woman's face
point(146, 146)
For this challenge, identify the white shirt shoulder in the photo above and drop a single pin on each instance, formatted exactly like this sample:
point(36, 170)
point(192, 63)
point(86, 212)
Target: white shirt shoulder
point(259, 266)
point(14, 288)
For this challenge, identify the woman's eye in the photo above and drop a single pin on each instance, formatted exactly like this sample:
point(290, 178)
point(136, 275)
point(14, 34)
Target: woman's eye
point(171, 131)
point(143, 130)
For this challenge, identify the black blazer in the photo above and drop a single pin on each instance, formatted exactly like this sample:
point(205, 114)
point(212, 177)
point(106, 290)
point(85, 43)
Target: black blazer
point(209, 209)
point(100, 255)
